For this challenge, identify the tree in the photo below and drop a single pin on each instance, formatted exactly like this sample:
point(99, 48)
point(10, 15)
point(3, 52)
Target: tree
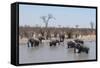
point(59, 26)
point(46, 19)
point(77, 31)
point(76, 26)
point(92, 25)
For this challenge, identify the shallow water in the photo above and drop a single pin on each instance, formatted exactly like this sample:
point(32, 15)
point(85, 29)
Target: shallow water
point(45, 53)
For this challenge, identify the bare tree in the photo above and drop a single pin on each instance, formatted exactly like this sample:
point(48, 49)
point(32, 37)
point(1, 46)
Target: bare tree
point(77, 31)
point(46, 19)
point(92, 25)
point(59, 26)
point(76, 26)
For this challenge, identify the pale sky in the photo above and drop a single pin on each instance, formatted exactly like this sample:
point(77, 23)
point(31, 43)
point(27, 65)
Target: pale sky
point(65, 16)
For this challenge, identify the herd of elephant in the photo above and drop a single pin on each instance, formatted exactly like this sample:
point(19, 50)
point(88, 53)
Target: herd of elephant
point(38, 40)
point(77, 44)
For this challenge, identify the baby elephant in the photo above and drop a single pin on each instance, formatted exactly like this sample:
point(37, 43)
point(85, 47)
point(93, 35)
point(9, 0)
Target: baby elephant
point(54, 42)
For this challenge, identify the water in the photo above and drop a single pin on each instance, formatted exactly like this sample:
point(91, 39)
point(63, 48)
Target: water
point(45, 53)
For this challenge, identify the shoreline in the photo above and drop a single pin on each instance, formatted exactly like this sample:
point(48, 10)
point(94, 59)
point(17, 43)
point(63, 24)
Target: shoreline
point(23, 41)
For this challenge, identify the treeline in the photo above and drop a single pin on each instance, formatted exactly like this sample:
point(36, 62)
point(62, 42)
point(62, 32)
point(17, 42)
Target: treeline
point(82, 31)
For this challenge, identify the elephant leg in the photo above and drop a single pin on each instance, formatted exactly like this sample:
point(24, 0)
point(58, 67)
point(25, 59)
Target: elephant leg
point(37, 44)
point(74, 50)
point(87, 50)
point(50, 44)
point(55, 44)
point(79, 51)
point(40, 41)
point(58, 43)
point(28, 44)
point(31, 44)
point(68, 46)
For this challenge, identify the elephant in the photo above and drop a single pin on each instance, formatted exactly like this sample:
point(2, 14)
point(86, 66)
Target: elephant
point(79, 41)
point(71, 44)
point(81, 48)
point(62, 37)
point(33, 42)
point(41, 38)
point(78, 46)
point(54, 42)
